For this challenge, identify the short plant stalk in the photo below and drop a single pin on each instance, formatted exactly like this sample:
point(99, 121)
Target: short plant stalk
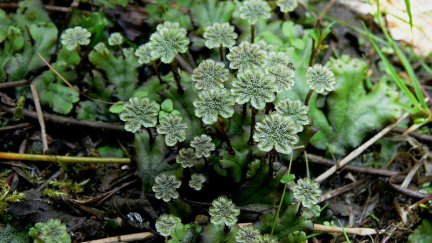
point(206, 161)
point(307, 164)
point(227, 229)
point(221, 53)
point(220, 125)
point(315, 46)
point(253, 122)
point(176, 74)
point(244, 110)
point(121, 52)
point(282, 197)
point(157, 73)
point(308, 96)
point(272, 156)
point(252, 33)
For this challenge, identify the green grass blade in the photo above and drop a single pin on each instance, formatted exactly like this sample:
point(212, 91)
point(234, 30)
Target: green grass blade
point(395, 76)
point(408, 8)
point(344, 232)
point(415, 83)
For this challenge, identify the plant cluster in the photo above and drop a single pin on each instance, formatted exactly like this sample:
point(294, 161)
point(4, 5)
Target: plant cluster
point(53, 231)
point(233, 118)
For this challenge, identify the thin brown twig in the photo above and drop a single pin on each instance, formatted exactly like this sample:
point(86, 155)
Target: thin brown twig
point(66, 120)
point(341, 190)
point(47, 7)
point(12, 84)
point(39, 116)
point(359, 150)
point(359, 169)
point(407, 192)
point(417, 135)
point(16, 127)
point(185, 65)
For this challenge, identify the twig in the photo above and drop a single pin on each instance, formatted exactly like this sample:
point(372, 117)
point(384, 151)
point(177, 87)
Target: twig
point(359, 169)
point(125, 238)
point(15, 127)
point(65, 120)
point(417, 135)
point(63, 159)
point(341, 190)
point(407, 192)
point(47, 7)
point(355, 231)
point(39, 116)
point(13, 84)
point(412, 172)
point(359, 150)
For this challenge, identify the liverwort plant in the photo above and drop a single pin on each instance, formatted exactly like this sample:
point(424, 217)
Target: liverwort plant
point(307, 192)
point(116, 39)
point(276, 133)
point(165, 224)
point(72, 38)
point(144, 56)
point(166, 42)
point(254, 86)
point(320, 79)
point(203, 146)
point(174, 129)
point(287, 6)
point(220, 36)
point(247, 234)
point(196, 181)
point(211, 104)
point(210, 74)
point(165, 187)
point(252, 10)
point(224, 211)
point(246, 55)
point(295, 110)
point(139, 112)
point(186, 157)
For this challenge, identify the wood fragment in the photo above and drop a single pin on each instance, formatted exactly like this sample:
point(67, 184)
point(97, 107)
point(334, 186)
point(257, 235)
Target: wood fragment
point(63, 159)
point(355, 231)
point(39, 116)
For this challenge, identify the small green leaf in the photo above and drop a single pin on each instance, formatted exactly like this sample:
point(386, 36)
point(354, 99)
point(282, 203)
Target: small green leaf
point(287, 179)
point(140, 94)
point(299, 44)
point(108, 151)
point(167, 105)
point(116, 108)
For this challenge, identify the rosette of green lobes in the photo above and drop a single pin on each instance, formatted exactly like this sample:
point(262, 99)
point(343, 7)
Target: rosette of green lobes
point(165, 224)
point(274, 58)
point(254, 9)
point(307, 192)
point(167, 41)
point(212, 103)
point(320, 78)
point(165, 187)
point(223, 211)
point(186, 157)
point(283, 76)
point(265, 47)
point(276, 131)
point(174, 129)
point(247, 234)
point(115, 39)
point(203, 146)
point(287, 5)
point(209, 75)
point(255, 86)
point(266, 239)
point(295, 110)
point(220, 35)
point(246, 55)
point(139, 111)
point(144, 53)
point(196, 181)
point(73, 37)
